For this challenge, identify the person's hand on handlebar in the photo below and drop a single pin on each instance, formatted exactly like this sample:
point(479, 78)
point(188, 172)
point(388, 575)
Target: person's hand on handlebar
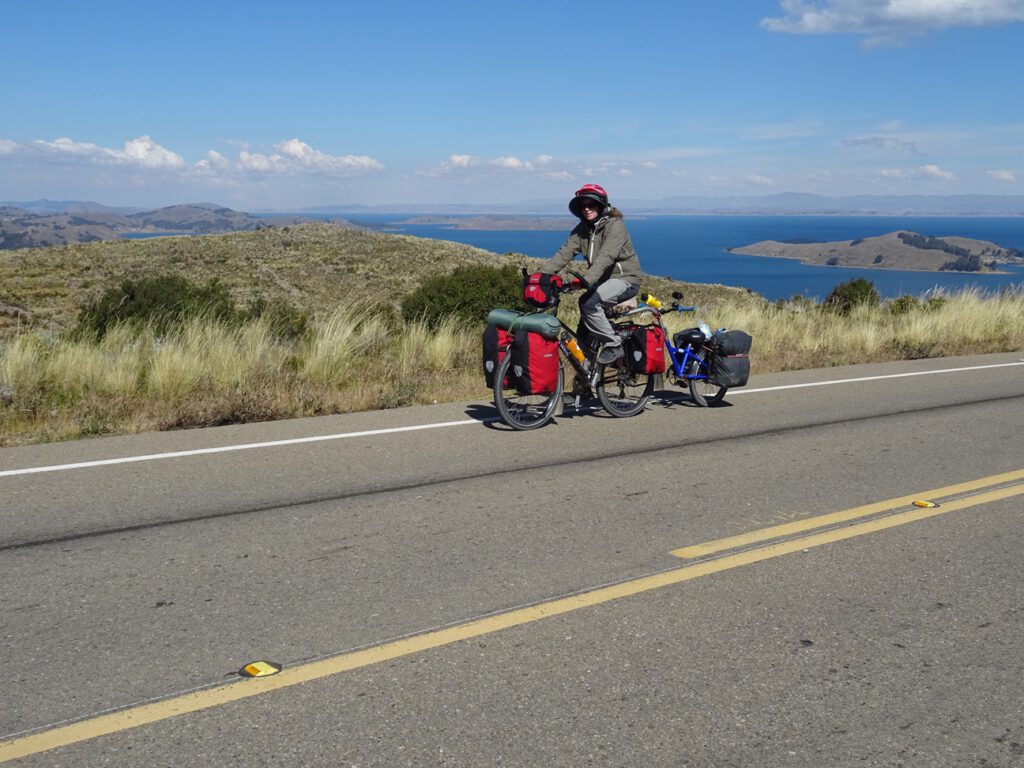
point(577, 283)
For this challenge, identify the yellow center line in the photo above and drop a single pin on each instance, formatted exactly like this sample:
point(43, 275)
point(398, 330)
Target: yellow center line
point(144, 714)
point(821, 521)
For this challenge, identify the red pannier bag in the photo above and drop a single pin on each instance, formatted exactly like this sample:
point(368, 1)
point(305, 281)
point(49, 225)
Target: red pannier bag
point(534, 363)
point(541, 290)
point(645, 349)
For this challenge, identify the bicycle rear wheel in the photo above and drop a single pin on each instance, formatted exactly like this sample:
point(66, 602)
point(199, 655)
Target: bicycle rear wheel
point(703, 392)
point(521, 411)
point(621, 392)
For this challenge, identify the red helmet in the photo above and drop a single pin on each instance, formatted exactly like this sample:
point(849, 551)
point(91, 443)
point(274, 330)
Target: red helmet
point(588, 192)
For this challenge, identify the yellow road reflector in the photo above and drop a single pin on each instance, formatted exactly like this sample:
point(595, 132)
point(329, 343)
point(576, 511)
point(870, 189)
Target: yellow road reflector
point(260, 669)
point(925, 504)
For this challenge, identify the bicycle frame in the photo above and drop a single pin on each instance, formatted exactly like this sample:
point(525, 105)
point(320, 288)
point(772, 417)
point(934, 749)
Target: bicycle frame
point(679, 358)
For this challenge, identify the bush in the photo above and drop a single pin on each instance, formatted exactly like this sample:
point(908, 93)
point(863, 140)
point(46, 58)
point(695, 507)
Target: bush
point(904, 305)
point(845, 296)
point(467, 293)
point(286, 321)
point(164, 301)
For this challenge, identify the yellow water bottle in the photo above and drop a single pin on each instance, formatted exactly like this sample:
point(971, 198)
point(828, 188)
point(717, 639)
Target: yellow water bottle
point(573, 347)
point(650, 301)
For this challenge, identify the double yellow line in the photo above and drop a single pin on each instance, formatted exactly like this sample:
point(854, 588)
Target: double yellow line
point(711, 557)
point(959, 496)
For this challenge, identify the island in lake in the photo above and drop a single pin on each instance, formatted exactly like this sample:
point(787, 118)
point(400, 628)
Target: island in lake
point(896, 250)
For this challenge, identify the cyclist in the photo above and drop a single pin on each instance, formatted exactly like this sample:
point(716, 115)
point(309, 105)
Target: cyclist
point(613, 269)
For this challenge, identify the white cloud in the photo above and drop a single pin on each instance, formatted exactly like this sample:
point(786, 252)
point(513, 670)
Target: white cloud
point(545, 164)
point(7, 147)
point(930, 171)
point(512, 163)
point(761, 181)
point(294, 156)
point(147, 153)
point(142, 152)
point(213, 163)
point(1007, 177)
point(935, 172)
point(890, 20)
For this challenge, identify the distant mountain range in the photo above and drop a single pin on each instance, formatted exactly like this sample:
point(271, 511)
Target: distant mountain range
point(46, 223)
point(788, 203)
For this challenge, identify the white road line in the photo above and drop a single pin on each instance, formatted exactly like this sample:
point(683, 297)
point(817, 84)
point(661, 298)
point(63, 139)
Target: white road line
point(439, 425)
point(228, 448)
point(870, 378)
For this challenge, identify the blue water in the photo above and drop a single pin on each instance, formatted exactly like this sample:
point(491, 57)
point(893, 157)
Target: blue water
point(693, 248)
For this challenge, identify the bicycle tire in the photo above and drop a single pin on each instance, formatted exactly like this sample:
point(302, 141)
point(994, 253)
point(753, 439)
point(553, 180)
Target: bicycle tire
point(703, 392)
point(520, 411)
point(623, 393)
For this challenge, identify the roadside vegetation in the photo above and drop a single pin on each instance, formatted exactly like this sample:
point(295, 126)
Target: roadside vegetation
point(169, 348)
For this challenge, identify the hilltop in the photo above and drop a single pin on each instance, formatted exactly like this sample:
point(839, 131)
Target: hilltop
point(313, 266)
point(47, 225)
point(896, 250)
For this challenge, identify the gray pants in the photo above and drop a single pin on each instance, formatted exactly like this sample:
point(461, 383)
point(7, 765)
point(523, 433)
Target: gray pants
point(609, 293)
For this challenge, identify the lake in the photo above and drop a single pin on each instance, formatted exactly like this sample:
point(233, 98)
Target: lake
point(694, 249)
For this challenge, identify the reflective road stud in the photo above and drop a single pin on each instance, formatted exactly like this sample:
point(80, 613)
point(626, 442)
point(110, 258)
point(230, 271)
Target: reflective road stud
point(925, 504)
point(260, 669)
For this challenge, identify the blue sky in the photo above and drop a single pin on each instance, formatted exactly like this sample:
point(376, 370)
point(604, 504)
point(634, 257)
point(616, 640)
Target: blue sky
point(289, 105)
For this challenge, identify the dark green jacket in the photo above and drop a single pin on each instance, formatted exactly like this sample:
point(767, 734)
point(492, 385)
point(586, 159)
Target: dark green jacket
point(607, 248)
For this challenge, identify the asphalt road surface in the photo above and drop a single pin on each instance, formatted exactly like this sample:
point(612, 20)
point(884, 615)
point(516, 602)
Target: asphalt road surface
point(746, 585)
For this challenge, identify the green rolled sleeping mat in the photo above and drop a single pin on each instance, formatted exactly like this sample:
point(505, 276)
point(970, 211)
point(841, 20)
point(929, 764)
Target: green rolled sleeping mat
point(535, 322)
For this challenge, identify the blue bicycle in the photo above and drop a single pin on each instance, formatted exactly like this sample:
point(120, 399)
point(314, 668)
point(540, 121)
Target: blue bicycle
point(689, 353)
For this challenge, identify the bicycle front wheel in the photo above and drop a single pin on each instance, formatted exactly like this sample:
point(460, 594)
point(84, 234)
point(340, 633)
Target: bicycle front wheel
point(523, 411)
point(621, 392)
point(703, 392)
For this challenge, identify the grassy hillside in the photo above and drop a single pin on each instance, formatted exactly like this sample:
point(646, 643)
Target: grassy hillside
point(314, 266)
point(354, 356)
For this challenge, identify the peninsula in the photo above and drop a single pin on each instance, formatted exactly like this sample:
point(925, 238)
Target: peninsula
point(896, 250)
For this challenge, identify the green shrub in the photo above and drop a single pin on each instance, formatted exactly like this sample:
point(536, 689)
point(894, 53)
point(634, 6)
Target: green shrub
point(164, 301)
point(904, 305)
point(468, 293)
point(286, 321)
point(845, 296)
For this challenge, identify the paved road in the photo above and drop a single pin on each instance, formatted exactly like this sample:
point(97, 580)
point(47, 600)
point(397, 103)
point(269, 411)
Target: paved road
point(457, 594)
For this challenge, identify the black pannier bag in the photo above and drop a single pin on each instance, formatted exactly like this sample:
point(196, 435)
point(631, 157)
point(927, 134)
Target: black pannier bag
point(497, 337)
point(541, 290)
point(535, 363)
point(730, 364)
point(691, 337)
point(495, 341)
point(645, 349)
